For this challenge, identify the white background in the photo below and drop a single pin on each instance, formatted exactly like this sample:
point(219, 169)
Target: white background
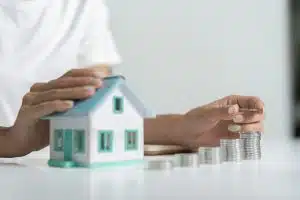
point(180, 54)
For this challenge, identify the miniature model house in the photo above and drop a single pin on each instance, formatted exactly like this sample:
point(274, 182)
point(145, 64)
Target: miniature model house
point(105, 129)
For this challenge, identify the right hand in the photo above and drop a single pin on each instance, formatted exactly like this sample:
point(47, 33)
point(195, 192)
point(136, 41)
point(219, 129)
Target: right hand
point(30, 133)
point(223, 118)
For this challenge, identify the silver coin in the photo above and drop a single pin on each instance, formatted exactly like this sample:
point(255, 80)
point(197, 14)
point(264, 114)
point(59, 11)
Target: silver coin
point(188, 159)
point(232, 150)
point(209, 155)
point(202, 155)
point(159, 165)
point(252, 146)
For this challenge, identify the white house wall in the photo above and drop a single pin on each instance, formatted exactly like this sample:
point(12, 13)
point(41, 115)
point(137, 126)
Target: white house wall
point(104, 118)
point(70, 123)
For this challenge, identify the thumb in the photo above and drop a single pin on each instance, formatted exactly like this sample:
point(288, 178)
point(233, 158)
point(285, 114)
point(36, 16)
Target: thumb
point(221, 112)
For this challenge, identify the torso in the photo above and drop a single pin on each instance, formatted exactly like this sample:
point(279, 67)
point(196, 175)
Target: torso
point(39, 44)
point(45, 36)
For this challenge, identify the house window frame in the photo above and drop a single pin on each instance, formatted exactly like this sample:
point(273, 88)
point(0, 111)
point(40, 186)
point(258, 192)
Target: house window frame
point(131, 147)
point(111, 140)
point(121, 99)
point(79, 134)
point(56, 147)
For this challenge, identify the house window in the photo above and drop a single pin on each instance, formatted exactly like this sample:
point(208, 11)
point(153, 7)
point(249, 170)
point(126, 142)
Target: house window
point(118, 104)
point(131, 140)
point(105, 141)
point(58, 140)
point(79, 140)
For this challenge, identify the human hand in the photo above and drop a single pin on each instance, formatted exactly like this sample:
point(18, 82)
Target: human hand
point(29, 133)
point(223, 118)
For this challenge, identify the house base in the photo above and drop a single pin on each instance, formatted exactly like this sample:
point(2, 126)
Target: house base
point(72, 164)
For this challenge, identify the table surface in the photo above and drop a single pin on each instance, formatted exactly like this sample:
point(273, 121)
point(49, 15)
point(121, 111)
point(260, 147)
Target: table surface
point(277, 175)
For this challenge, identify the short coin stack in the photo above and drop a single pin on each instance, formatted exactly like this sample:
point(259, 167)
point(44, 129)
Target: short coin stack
point(232, 150)
point(252, 146)
point(159, 165)
point(209, 155)
point(188, 160)
point(247, 147)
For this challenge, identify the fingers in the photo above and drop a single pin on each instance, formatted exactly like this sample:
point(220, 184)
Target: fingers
point(95, 72)
point(75, 84)
point(46, 108)
point(220, 112)
point(248, 117)
point(246, 102)
point(66, 82)
point(243, 128)
point(58, 94)
point(233, 112)
point(61, 94)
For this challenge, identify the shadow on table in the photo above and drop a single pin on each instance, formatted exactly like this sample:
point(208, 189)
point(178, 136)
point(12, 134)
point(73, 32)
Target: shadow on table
point(11, 164)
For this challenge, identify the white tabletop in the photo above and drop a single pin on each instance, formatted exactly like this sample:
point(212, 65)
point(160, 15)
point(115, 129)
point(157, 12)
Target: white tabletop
point(277, 175)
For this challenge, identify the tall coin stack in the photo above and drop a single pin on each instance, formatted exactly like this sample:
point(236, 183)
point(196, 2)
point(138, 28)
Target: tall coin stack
point(232, 150)
point(209, 155)
point(252, 145)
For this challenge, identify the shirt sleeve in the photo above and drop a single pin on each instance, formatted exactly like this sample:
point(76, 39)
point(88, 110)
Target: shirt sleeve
point(98, 45)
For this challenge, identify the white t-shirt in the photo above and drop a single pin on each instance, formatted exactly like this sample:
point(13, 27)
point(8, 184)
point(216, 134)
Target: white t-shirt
point(42, 39)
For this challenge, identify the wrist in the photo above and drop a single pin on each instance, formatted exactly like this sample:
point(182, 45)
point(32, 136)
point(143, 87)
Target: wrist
point(10, 147)
point(166, 130)
point(5, 143)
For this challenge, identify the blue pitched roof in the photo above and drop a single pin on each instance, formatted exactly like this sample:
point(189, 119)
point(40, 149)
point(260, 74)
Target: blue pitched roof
point(84, 107)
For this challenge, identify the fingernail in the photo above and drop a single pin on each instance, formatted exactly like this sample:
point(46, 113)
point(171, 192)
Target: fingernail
point(90, 88)
point(238, 118)
point(98, 82)
point(69, 104)
point(100, 74)
point(234, 128)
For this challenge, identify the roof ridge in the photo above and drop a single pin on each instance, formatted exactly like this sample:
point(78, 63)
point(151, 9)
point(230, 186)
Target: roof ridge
point(115, 76)
point(84, 107)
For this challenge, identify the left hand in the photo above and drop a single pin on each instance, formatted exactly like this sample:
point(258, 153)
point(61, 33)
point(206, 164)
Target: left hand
point(30, 133)
point(224, 118)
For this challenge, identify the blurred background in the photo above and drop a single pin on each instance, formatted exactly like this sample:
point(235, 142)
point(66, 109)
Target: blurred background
point(180, 54)
point(295, 41)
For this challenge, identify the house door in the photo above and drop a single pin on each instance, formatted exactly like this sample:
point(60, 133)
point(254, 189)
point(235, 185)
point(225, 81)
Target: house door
point(68, 145)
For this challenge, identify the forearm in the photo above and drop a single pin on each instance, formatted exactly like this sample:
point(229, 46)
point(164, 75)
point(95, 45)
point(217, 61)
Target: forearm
point(165, 129)
point(5, 145)
point(12, 145)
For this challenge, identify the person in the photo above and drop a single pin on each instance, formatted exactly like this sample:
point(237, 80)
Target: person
point(55, 52)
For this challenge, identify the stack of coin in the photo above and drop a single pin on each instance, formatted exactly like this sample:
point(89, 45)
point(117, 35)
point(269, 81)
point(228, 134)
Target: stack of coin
point(252, 146)
point(209, 155)
point(159, 165)
point(188, 159)
point(232, 150)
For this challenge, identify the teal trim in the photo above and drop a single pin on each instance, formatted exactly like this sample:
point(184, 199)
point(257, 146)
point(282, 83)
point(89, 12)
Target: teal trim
point(58, 140)
point(68, 142)
point(79, 141)
point(61, 164)
point(118, 104)
point(64, 164)
point(105, 141)
point(131, 140)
